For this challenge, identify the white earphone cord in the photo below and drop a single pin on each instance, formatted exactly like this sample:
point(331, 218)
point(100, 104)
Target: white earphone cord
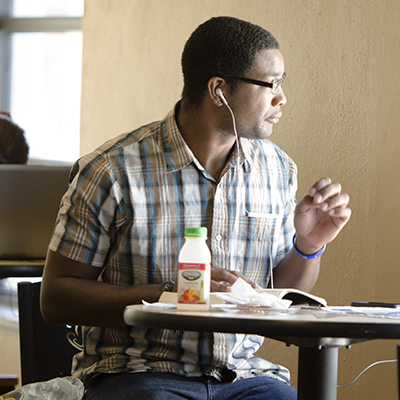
point(239, 186)
point(369, 366)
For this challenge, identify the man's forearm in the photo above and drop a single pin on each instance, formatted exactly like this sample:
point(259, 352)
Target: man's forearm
point(295, 272)
point(72, 294)
point(84, 302)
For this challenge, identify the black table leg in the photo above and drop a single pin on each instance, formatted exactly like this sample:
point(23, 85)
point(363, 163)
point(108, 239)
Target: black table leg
point(317, 375)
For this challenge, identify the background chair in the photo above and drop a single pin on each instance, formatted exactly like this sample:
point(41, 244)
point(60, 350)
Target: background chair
point(7, 383)
point(46, 351)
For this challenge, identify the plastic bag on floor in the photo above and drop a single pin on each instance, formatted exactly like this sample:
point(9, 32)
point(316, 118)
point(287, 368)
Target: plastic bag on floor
point(67, 388)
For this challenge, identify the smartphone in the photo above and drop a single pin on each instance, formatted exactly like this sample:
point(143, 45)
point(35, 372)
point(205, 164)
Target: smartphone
point(374, 304)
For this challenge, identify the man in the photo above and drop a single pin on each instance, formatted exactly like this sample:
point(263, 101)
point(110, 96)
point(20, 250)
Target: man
point(121, 226)
point(13, 146)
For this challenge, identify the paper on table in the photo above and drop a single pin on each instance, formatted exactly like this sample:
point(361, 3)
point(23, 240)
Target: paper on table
point(242, 293)
point(164, 305)
point(367, 311)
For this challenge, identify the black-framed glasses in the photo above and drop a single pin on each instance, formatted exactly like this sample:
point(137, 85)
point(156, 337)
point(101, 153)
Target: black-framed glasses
point(274, 86)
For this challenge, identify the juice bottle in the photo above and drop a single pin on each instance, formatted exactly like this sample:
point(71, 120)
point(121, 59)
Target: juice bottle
point(194, 271)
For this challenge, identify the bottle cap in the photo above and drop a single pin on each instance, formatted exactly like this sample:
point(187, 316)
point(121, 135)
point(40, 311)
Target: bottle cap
point(200, 232)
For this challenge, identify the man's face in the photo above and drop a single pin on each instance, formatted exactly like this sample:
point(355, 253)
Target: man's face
point(256, 108)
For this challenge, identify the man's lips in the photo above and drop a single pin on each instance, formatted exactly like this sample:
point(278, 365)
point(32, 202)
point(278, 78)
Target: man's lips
point(274, 118)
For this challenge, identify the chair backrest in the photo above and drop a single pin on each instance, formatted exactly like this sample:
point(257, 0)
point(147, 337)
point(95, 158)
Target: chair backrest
point(29, 203)
point(46, 351)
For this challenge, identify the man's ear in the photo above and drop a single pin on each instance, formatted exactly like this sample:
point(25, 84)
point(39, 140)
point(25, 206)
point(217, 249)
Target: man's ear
point(214, 94)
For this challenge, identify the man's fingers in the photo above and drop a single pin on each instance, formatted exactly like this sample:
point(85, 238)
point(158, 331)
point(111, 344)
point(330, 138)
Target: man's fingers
point(327, 192)
point(223, 279)
point(323, 182)
point(342, 213)
point(222, 286)
point(339, 201)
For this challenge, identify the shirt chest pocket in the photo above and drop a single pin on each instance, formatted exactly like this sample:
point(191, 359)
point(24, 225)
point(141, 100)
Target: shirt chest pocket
point(264, 226)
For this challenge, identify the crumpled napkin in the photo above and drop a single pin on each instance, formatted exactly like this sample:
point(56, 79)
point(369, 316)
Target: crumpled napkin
point(242, 293)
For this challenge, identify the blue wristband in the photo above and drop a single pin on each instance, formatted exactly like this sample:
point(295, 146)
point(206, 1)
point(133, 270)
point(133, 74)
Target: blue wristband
point(311, 256)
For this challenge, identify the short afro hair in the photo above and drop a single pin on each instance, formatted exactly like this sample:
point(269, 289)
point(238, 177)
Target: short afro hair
point(13, 146)
point(221, 46)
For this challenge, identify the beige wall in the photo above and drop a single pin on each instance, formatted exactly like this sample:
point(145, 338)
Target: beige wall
point(341, 120)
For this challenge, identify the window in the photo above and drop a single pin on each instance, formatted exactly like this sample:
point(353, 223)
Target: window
point(40, 84)
point(40, 73)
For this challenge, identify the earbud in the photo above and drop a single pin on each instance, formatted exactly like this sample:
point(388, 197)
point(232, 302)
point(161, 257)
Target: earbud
point(219, 93)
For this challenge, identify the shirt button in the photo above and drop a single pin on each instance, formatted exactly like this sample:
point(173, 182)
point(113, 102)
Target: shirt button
point(218, 237)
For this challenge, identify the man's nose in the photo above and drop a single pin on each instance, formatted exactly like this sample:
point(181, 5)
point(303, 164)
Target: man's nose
point(279, 98)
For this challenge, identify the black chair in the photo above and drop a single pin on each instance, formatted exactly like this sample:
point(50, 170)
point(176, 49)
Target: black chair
point(7, 383)
point(46, 351)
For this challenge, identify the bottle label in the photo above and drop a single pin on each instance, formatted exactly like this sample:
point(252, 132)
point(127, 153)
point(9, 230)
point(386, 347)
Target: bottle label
point(191, 283)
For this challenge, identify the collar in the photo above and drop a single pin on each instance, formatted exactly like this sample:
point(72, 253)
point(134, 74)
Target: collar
point(179, 155)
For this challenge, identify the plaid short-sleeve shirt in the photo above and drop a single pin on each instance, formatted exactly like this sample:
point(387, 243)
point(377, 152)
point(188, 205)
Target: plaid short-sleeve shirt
point(126, 211)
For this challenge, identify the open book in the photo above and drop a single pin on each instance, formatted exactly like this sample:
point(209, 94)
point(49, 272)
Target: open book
point(298, 297)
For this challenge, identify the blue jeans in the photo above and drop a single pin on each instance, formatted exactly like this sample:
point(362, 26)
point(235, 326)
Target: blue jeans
point(168, 386)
